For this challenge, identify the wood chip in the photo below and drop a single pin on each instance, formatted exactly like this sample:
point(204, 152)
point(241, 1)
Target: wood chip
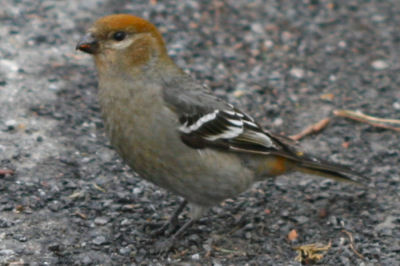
point(327, 96)
point(346, 144)
point(293, 235)
point(19, 208)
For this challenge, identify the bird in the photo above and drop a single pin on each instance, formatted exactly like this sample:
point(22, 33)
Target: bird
point(174, 132)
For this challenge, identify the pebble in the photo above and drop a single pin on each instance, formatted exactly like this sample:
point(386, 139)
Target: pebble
point(126, 222)
point(101, 220)
point(196, 256)
point(53, 87)
point(99, 240)
point(278, 122)
point(125, 250)
point(297, 72)
point(11, 124)
point(239, 93)
point(379, 64)
point(216, 263)
point(87, 260)
point(6, 252)
point(257, 28)
point(268, 44)
point(387, 224)
point(10, 65)
point(342, 44)
point(301, 219)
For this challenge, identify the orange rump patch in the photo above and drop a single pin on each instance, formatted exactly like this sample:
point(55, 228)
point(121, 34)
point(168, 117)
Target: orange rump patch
point(274, 166)
point(279, 166)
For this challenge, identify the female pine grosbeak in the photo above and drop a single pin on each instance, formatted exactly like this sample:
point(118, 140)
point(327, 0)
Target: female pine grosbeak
point(173, 132)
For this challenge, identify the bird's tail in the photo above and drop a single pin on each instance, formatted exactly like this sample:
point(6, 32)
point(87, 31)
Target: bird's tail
point(330, 170)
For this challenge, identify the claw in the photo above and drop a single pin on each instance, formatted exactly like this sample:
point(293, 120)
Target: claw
point(171, 224)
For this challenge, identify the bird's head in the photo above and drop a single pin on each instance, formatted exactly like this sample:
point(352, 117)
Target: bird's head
point(123, 40)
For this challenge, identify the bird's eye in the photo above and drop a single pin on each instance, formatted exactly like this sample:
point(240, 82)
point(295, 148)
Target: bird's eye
point(119, 36)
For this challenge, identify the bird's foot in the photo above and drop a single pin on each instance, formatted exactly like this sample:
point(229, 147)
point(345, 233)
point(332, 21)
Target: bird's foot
point(163, 246)
point(164, 229)
point(170, 226)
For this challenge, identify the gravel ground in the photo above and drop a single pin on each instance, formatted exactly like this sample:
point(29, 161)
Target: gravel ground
point(71, 201)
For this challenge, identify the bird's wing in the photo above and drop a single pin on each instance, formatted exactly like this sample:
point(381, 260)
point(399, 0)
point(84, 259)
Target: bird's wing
point(207, 121)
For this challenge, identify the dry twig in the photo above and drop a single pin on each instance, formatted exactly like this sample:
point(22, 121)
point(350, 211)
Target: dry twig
point(315, 128)
point(99, 188)
point(352, 244)
point(371, 120)
point(217, 5)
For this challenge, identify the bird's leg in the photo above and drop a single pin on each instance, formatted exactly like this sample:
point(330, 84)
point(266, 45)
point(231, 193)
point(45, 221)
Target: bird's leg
point(182, 229)
point(163, 246)
point(173, 221)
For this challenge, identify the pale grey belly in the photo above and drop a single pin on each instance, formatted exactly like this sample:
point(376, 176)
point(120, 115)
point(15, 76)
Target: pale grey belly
point(204, 177)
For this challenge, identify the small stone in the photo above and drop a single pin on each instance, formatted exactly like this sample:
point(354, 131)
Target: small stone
point(379, 64)
point(196, 256)
point(9, 65)
point(99, 240)
point(5, 223)
point(101, 220)
point(6, 252)
point(378, 18)
point(54, 206)
point(11, 124)
point(278, 122)
point(387, 224)
point(53, 87)
point(239, 93)
point(87, 260)
point(137, 190)
point(286, 36)
point(216, 263)
point(125, 222)
point(268, 44)
point(125, 250)
point(342, 44)
point(20, 238)
point(257, 28)
point(55, 247)
point(301, 219)
point(297, 72)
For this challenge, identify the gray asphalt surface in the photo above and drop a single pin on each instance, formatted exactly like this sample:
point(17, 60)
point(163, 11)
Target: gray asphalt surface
point(71, 201)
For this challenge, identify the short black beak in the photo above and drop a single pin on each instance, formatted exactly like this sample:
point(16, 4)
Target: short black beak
point(88, 44)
